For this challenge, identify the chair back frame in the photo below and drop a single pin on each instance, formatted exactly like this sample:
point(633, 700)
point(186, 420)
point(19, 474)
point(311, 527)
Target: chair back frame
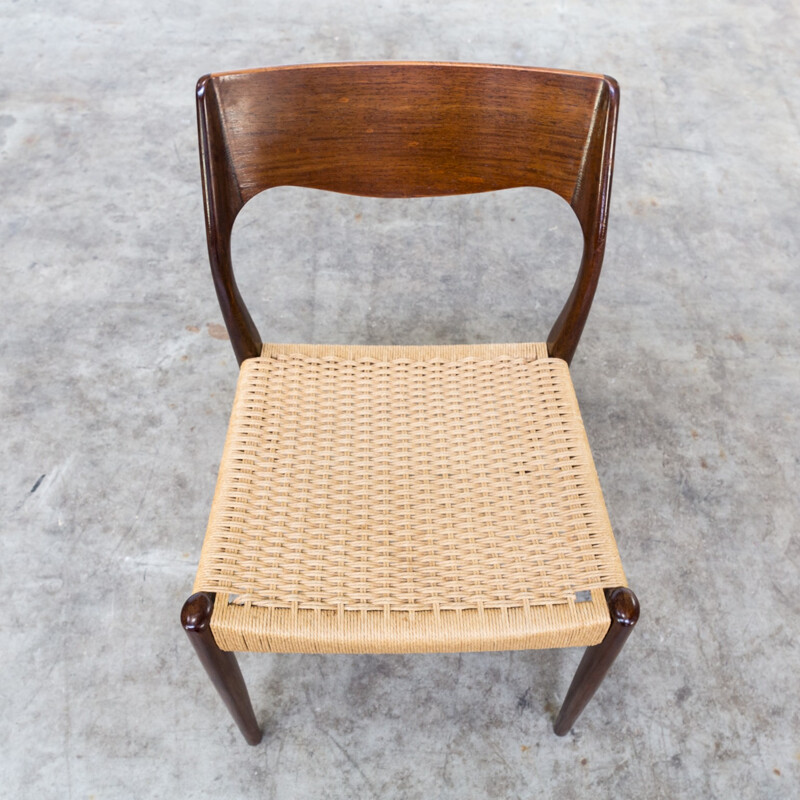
point(396, 129)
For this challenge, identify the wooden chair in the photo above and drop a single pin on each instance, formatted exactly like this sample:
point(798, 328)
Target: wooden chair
point(406, 499)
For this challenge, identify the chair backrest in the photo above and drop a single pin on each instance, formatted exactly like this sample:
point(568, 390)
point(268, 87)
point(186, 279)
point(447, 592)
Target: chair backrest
point(406, 130)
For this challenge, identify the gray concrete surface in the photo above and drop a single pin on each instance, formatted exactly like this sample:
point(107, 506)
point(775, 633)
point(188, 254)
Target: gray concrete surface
point(116, 387)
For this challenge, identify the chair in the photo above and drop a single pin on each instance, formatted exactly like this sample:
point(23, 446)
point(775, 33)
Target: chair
point(406, 499)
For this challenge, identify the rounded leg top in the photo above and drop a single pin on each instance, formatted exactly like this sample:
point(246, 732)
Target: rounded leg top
point(196, 612)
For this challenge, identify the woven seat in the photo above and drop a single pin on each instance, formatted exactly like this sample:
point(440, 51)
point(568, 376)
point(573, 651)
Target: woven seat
point(406, 499)
point(415, 499)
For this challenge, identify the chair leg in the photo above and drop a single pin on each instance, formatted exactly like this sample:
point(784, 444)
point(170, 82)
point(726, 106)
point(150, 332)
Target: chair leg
point(597, 660)
point(221, 666)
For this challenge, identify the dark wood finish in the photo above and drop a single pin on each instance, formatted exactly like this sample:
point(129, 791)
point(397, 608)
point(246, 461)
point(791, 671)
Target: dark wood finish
point(596, 661)
point(221, 666)
point(590, 203)
point(406, 130)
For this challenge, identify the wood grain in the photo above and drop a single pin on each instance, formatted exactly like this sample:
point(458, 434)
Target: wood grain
point(406, 130)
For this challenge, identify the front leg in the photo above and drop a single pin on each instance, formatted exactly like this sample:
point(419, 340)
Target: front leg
point(596, 661)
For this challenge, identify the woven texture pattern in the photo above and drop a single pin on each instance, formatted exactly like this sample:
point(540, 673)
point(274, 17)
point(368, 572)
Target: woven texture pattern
point(407, 499)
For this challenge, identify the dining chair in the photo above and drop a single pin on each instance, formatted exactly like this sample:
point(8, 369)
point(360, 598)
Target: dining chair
point(406, 499)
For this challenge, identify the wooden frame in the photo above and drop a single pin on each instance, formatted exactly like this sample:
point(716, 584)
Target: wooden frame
point(406, 130)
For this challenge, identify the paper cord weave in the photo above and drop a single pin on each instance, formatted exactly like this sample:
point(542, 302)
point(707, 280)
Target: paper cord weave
point(407, 499)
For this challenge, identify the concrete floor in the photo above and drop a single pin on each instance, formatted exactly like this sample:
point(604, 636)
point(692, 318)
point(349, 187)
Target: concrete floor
point(116, 384)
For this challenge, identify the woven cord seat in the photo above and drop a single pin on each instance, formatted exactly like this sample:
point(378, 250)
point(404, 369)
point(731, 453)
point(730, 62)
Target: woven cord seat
point(407, 499)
